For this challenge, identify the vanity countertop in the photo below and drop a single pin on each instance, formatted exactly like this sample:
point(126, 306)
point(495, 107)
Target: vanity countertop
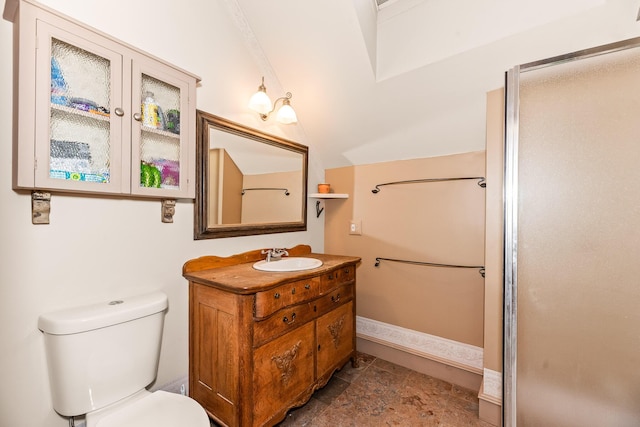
point(244, 279)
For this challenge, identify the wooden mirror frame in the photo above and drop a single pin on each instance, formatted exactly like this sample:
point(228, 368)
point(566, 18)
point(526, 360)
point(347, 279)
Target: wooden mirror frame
point(204, 123)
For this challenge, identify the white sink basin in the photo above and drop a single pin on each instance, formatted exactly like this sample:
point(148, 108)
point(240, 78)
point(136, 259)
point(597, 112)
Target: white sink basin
point(288, 264)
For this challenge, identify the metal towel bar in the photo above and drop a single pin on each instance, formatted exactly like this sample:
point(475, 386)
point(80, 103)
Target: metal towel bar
point(430, 264)
point(481, 181)
point(286, 191)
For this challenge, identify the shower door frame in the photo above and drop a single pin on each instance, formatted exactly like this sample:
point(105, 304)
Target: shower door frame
point(512, 124)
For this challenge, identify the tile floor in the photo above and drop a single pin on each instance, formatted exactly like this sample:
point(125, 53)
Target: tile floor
point(379, 393)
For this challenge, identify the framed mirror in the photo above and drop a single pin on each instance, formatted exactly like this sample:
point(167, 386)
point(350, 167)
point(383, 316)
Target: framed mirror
point(248, 182)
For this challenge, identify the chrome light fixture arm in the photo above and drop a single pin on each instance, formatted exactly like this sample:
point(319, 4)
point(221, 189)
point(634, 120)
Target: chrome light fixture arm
point(285, 100)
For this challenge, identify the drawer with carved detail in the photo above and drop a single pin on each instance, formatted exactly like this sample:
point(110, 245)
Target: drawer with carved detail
point(268, 302)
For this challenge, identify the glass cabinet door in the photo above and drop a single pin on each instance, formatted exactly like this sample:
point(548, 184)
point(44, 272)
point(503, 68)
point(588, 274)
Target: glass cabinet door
point(159, 143)
point(78, 137)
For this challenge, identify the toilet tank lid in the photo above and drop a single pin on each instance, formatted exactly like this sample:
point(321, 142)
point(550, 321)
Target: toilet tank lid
point(85, 318)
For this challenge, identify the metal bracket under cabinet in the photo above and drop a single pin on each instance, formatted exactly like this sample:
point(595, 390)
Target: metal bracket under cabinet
point(168, 210)
point(40, 207)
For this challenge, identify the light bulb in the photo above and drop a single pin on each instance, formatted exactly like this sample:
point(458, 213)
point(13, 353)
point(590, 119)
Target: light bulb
point(260, 102)
point(286, 115)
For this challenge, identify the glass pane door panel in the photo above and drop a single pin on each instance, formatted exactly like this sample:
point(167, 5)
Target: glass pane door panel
point(578, 296)
point(79, 132)
point(160, 134)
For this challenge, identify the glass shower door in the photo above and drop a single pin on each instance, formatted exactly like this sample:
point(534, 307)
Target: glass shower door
point(572, 292)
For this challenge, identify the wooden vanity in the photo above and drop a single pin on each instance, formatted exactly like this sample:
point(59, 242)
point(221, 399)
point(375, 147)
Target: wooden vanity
point(260, 343)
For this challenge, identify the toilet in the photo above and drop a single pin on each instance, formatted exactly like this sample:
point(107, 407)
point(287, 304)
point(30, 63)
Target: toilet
point(101, 358)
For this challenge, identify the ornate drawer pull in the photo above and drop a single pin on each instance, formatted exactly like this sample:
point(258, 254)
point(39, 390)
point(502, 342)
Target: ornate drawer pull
point(307, 286)
point(293, 291)
point(335, 298)
point(331, 276)
point(276, 295)
point(286, 320)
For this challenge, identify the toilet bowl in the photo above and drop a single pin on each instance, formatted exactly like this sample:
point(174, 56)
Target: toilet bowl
point(101, 358)
point(157, 409)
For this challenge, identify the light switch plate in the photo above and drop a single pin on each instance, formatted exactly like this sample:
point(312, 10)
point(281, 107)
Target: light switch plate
point(355, 227)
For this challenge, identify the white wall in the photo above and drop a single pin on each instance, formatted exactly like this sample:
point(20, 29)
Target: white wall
point(97, 248)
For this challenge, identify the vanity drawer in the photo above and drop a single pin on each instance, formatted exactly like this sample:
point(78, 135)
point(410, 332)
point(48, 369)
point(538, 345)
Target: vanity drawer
point(333, 299)
point(281, 322)
point(268, 302)
point(337, 277)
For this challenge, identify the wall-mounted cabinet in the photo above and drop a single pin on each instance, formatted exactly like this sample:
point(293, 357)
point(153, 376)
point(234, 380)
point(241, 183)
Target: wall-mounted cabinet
point(96, 115)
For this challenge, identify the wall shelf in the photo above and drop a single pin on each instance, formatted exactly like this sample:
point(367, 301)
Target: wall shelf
point(329, 196)
point(325, 196)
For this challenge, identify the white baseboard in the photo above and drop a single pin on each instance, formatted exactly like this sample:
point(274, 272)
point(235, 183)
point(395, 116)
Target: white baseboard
point(448, 352)
point(491, 389)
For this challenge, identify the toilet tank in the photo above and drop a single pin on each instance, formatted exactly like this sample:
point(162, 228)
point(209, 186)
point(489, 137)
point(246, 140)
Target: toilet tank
point(100, 353)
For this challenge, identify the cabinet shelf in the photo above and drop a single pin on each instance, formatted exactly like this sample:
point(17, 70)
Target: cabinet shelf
point(75, 112)
point(161, 132)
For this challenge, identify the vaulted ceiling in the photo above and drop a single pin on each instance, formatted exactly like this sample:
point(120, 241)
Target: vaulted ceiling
point(409, 79)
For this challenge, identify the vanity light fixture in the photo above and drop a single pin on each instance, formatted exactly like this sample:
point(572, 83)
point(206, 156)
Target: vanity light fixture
point(261, 103)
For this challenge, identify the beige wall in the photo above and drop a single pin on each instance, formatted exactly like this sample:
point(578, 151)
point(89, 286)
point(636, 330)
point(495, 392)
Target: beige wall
point(432, 222)
point(215, 169)
point(231, 210)
point(494, 250)
point(272, 205)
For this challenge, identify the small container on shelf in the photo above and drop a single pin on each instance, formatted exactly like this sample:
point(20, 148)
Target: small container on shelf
point(324, 188)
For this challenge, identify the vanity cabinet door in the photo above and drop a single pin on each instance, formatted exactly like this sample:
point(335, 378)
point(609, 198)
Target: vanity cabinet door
point(334, 338)
point(283, 369)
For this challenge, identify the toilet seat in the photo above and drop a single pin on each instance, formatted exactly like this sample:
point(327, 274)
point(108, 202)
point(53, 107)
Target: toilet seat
point(158, 409)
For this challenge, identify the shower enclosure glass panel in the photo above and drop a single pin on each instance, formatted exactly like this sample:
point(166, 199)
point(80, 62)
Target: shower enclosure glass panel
point(572, 318)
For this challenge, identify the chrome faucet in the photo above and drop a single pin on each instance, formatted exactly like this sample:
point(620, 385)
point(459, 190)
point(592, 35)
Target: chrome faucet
point(274, 254)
